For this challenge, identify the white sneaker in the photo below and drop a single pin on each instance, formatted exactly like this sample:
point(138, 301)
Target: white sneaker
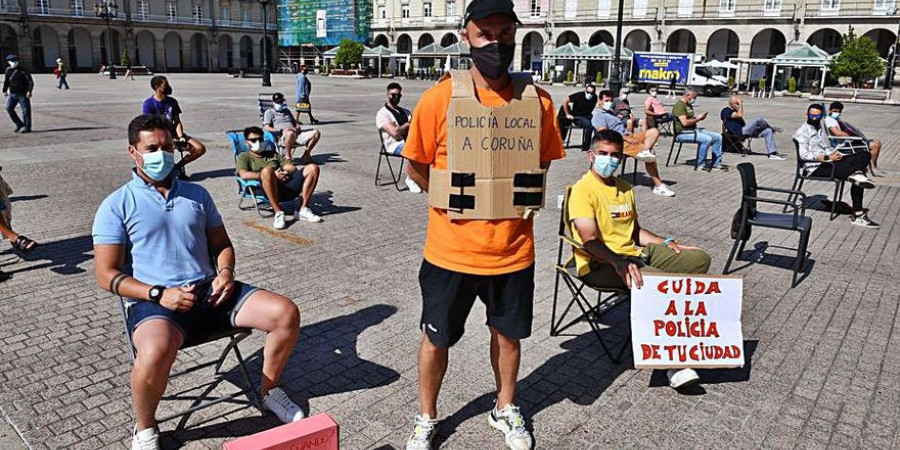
point(682, 378)
point(510, 421)
point(413, 187)
point(776, 157)
point(307, 215)
point(286, 410)
point(145, 439)
point(424, 430)
point(645, 156)
point(278, 224)
point(663, 190)
point(860, 180)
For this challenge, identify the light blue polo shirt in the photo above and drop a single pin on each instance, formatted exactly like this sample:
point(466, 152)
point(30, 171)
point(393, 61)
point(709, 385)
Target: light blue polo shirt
point(165, 238)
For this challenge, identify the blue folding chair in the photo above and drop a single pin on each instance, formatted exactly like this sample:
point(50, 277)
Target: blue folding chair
point(249, 189)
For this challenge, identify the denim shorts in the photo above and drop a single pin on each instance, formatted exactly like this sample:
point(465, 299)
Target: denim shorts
point(202, 319)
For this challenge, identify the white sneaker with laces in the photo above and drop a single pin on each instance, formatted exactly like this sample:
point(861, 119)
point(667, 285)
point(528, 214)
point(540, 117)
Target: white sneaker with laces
point(282, 406)
point(682, 378)
point(645, 156)
point(510, 421)
point(663, 190)
point(278, 224)
point(860, 180)
point(307, 215)
point(145, 439)
point(413, 187)
point(776, 157)
point(424, 430)
point(864, 221)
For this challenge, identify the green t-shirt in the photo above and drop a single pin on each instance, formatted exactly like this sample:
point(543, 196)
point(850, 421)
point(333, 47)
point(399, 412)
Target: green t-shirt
point(682, 109)
point(256, 163)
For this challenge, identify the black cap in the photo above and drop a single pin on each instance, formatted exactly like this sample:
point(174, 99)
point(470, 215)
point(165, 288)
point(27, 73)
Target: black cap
point(479, 9)
point(278, 97)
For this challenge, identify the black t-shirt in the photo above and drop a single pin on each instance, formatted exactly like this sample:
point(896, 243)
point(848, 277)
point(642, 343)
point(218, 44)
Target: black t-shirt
point(580, 105)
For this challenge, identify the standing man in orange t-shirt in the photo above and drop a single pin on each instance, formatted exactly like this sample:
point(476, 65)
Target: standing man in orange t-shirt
point(465, 259)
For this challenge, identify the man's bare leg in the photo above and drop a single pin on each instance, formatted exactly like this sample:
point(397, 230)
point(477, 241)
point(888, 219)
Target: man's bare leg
point(313, 140)
point(874, 149)
point(651, 136)
point(290, 139)
point(6, 231)
point(270, 187)
point(280, 319)
point(505, 356)
point(432, 367)
point(310, 181)
point(156, 342)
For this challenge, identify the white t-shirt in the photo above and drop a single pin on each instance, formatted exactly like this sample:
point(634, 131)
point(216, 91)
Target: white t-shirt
point(385, 116)
point(831, 122)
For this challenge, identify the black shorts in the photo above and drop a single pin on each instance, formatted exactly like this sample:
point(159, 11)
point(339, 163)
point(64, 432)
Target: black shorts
point(448, 296)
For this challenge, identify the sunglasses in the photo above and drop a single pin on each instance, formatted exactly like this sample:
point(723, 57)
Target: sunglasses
point(254, 139)
point(815, 116)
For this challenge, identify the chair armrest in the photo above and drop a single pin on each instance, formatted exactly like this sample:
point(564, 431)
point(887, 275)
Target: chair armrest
point(250, 183)
point(571, 242)
point(813, 161)
point(783, 191)
point(784, 203)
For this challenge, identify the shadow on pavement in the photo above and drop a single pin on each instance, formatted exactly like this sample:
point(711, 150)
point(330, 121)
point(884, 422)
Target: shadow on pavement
point(62, 257)
point(324, 205)
point(26, 198)
point(52, 130)
point(218, 173)
point(324, 362)
point(327, 158)
point(713, 376)
point(759, 255)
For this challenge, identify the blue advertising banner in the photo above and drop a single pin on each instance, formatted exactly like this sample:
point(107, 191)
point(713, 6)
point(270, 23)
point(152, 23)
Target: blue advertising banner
point(659, 68)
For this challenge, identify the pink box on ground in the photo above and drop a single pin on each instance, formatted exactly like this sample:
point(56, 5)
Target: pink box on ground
point(319, 432)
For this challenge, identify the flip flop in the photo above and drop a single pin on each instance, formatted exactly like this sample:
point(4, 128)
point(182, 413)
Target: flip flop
point(23, 245)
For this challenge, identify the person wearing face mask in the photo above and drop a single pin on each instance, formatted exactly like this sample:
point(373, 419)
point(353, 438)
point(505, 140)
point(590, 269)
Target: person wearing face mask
point(161, 103)
point(17, 87)
point(575, 112)
point(491, 259)
point(603, 217)
point(279, 120)
point(393, 121)
point(733, 119)
point(654, 110)
point(848, 138)
point(622, 108)
point(686, 130)
point(161, 245)
point(812, 141)
point(301, 95)
point(637, 145)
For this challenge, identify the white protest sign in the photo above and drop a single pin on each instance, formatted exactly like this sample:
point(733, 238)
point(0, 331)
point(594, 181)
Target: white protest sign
point(687, 321)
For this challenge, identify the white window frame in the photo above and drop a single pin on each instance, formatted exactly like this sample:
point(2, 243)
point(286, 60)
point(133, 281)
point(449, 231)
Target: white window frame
point(685, 8)
point(640, 9)
point(171, 12)
point(404, 12)
point(225, 14)
point(535, 9)
point(450, 10)
point(427, 9)
point(830, 6)
point(571, 9)
point(604, 7)
point(77, 7)
point(883, 7)
point(196, 13)
point(382, 12)
point(245, 14)
point(727, 7)
point(42, 7)
point(143, 10)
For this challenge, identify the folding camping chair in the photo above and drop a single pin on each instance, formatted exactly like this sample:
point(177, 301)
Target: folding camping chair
point(800, 176)
point(848, 145)
point(567, 271)
point(680, 143)
point(250, 189)
point(204, 399)
point(383, 154)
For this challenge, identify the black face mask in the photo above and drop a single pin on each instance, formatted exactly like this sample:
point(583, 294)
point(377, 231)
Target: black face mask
point(816, 123)
point(395, 99)
point(493, 60)
point(168, 90)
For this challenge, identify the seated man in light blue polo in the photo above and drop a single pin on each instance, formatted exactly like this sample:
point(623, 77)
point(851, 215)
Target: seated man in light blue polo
point(160, 243)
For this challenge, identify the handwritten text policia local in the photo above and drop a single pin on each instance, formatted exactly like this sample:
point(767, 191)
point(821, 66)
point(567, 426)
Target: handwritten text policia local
point(513, 142)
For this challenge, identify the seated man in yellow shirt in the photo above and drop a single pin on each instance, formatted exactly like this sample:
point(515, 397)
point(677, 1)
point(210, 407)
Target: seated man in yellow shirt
point(603, 218)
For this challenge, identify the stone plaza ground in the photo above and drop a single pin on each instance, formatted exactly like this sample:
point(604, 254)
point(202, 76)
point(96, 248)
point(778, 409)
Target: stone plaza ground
point(821, 372)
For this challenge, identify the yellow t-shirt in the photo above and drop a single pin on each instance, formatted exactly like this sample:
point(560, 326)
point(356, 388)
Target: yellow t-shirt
point(613, 209)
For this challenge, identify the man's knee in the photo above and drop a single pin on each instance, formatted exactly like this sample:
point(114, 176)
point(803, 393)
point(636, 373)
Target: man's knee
point(157, 353)
point(506, 343)
point(311, 170)
point(695, 261)
point(267, 172)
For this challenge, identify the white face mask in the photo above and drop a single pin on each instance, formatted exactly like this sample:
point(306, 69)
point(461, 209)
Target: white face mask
point(653, 93)
point(13, 64)
point(606, 106)
point(254, 146)
point(624, 95)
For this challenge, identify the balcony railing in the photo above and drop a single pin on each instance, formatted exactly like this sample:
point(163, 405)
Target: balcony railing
point(151, 18)
point(715, 10)
point(849, 9)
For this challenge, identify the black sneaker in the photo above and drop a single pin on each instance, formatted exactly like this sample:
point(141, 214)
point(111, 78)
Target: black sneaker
point(864, 221)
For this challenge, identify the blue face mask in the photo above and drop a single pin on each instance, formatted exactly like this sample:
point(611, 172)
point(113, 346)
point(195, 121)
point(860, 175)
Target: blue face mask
point(158, 165)
point(835, 115)
point(605, 165)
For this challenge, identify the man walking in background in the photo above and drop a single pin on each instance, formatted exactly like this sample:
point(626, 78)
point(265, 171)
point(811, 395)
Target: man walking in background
point(304, 88)
point(17, 87)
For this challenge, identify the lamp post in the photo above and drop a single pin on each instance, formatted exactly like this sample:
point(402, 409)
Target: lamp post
point(108, 10)
point(615, 78)
point(266, 78)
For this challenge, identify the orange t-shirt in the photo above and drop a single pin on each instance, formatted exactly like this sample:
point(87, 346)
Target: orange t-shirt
point(478, 247)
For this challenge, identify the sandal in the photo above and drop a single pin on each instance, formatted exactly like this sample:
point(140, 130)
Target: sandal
point(24, 245)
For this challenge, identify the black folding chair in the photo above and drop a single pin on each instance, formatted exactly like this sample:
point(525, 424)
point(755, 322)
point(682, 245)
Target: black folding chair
point(735, 142)
point(572, 130)
point(204, 399)
point(800, 176)
point(568, 273)
point(750, 217)
point(680, 143)
point(383, 154)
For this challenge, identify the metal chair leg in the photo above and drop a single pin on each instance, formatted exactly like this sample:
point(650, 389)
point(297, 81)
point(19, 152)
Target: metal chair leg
point(731, 256)
point(671, 148)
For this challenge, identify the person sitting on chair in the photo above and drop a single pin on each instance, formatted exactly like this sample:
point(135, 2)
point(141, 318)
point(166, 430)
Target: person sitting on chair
point(839, 128)
point(393, 121)
point(654, 109)
point(686, 130)
point(813, 145)
point(622, 108)
point(637, 145)
point(576, 112)
point(603, 217)
point(160, 244)
point(733, 118)
point(281, 180)
point(278, 119)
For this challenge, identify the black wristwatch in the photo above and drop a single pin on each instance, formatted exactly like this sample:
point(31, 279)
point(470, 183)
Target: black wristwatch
point(156, 293)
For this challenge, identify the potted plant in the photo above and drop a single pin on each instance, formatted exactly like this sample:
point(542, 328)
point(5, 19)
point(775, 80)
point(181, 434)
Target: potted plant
point(599, 79)
point(410, 73)
point(792, 88)
point(570, 78)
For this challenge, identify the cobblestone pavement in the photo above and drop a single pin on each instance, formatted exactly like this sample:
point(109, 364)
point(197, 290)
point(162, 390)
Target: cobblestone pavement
point(821, 372)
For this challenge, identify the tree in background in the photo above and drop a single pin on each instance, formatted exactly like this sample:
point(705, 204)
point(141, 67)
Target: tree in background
point(858, 59)
point(125, 60)
point(349, 54)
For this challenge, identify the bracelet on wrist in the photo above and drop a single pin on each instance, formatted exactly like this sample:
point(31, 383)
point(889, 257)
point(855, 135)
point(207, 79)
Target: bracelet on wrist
point(668, 240)
point(226, 268)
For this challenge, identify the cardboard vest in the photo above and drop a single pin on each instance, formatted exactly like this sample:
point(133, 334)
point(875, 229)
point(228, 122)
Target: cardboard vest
point(493, 154)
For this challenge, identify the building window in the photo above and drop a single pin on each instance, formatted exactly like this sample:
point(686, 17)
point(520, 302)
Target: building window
point(143, 10)
point(77, 8)
point(603, 7)
point(382, 12)
point(42, 7)
point(571, 8)
point(773, 6)
point(831, 5)
point(640, 9)
point(451, 8)
point(535, 8)
point(685, 8)
point(225, 16)
point(171, 12)
point(726, 6)
point(426, 9)
point(404, 10)
point(197, 13)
